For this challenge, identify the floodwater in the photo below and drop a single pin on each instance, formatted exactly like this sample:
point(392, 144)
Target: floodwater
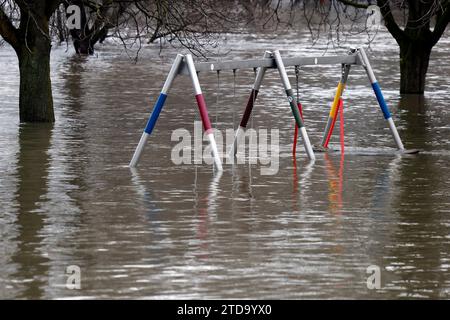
point(67, 197)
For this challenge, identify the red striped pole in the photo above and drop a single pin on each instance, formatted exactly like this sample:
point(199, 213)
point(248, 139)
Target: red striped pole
point(294, 146)
point(203, 111)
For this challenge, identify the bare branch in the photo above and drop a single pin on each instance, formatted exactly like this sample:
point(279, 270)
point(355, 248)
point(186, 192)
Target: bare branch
point(354, 4)
point(51, 6)
point(442, 20)
point(8, 31)
point(389, 21)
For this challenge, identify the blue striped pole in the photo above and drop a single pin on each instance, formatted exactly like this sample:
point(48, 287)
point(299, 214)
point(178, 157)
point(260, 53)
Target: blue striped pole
point(156, 111)
point(377, 90)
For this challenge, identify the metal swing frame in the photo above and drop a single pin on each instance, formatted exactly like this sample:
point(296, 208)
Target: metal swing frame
point(184, 65)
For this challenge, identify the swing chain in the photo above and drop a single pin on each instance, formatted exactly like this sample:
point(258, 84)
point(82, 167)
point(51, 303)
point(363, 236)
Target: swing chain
point(255, 74)
point(217, 97)
point(234, 97)
point(297, 75)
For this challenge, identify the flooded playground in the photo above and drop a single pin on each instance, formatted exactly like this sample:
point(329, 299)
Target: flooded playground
point(167, 231)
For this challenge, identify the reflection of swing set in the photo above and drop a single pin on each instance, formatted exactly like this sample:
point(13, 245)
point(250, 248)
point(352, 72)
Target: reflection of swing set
point(184, 64)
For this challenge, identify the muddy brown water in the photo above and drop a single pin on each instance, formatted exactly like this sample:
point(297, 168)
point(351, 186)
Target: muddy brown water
point(68, 198)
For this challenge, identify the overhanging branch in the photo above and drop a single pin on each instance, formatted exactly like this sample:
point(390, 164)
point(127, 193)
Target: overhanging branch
point(8, 31)
point(389, 21)
point(442, 20)
point(355, 4)
point(51, 6)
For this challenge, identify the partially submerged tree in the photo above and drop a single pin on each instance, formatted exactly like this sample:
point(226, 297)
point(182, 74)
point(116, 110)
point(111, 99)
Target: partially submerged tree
point(95, 20)
point(26, 26)
point(416, 25)
point(189, 23)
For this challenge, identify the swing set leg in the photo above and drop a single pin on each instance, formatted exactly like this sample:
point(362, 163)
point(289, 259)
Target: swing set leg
point(160, 103)
point(249, 107)
point(382, 103)
point(293, 105)
point(332, 117)
point(156, 111)
point(341, 125)
point(203, 111)
point(333, 123)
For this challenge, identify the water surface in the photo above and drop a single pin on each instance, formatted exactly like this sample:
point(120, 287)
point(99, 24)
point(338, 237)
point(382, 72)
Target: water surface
point(67, 196)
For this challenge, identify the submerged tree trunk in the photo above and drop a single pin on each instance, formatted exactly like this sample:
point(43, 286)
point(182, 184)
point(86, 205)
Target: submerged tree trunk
point(36, 101)
point(416, 40)
point(84, 42)
point(33, 52)
point(32, 44)
point(414, 59)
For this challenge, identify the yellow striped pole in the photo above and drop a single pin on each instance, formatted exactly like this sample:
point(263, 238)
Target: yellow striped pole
point(335, 106)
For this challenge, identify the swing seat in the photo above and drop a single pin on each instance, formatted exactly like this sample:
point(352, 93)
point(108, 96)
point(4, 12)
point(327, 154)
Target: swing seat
point(410, 151)
point(366, 152)
point(321, 148)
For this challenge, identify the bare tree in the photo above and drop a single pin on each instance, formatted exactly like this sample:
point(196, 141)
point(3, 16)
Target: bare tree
point(28, 27)
point(416, 25)
point(24, 25)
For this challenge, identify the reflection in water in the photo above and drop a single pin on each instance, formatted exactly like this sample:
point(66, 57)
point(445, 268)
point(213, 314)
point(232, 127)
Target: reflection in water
point(33, 167)
point(241, 187)
point(335, 183)
point(384, 190)
point(294, 183)
point(214, 191)
point(302, 183)
point(148, 200)
point(73, 71)
point(145, 194)
point(412, 260)
point(336, 178)
point(415, 126)
point(171, 231)
point(206, 208)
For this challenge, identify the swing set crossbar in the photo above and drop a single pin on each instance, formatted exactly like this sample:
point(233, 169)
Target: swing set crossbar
point(270, 63)
point(184, 65)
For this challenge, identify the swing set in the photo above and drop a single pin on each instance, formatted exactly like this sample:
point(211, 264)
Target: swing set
point(184, 65)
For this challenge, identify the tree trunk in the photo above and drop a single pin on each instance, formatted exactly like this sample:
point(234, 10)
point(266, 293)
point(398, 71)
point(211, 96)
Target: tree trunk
point(36, 101)
point(414, 58)
point(83, 44)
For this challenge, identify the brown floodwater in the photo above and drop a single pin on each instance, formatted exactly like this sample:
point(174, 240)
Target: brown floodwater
point(67, 196)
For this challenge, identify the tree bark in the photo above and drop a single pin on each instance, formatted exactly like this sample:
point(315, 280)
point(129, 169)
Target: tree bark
point(36, 100)
point(82, 43)
point(32, 43)
point(414, 59)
